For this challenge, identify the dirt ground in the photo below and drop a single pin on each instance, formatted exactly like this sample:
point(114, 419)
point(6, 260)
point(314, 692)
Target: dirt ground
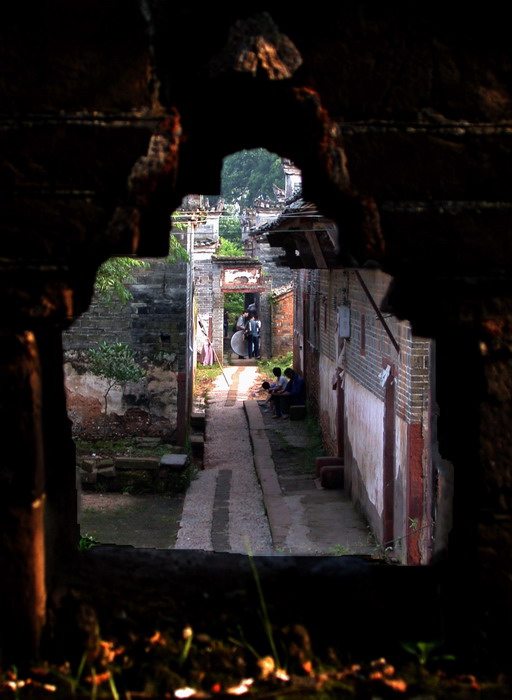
point(137, 520)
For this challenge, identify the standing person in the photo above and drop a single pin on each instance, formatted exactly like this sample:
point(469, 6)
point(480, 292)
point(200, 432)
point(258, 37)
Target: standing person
point(253, 309)
point(253, 336)
point(242, 321)
point(241, 325)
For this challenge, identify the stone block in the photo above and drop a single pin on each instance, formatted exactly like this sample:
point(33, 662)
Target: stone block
point(107, 472)
point(197, 445)
point(87, 465)
point(327, 462)
point(174, 463)
point(198, 420)
point(147, 441)
point(104, 463)
point(87, 477)
point(136, 463)
point(332, 477)
point(297, 412)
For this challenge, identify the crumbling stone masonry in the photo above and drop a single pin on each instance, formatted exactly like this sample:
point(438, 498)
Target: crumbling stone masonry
point(399, 119)
point(156, 324)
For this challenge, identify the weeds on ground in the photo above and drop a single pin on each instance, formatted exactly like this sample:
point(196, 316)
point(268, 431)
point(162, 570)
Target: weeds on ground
point(204, 378)
point(341, 550)
point(86, 542)
point(176, 661)
point(315, 447)
point(183, 663)
point(127, 447)
point(283, 361)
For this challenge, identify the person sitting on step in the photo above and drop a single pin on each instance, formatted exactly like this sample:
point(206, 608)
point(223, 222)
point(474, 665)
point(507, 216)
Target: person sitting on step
point(294, 394)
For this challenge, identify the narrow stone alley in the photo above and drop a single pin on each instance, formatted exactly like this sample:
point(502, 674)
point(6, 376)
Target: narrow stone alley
point(224, 509)
point(259, 494)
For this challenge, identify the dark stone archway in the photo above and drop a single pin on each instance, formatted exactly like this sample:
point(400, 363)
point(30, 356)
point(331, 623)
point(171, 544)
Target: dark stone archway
point(401, 126)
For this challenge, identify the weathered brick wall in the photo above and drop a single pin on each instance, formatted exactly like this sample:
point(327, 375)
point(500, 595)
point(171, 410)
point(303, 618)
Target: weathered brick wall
point(282, 323)
point(276, 318)
point(369, 348)
point(155, 325)
point(368, 351)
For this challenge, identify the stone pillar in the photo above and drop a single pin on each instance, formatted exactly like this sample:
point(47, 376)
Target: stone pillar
point(38, 522)
point(22, 497)
point(471, 322)
point(62, 529)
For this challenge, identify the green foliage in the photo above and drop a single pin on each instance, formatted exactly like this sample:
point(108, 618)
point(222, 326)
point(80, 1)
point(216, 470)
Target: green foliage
point(229, 249)
point(284, 361)
point(231, 229)
point(177, 252)
point(234, 305)
point(113, 276)
point(248, 174)
point(86, 542)
point(427, 652)
point(205, 376)
point(114, 363)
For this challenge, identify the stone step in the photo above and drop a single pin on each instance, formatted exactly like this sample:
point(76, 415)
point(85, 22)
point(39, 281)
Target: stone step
point(198, 420)
point(136, 462)
point(327, 462)
point(176, 463)
point(147, 441)
point(332, 477)
point(298, 412)
point(197, 444)
point(106, 472)
point(87, 477)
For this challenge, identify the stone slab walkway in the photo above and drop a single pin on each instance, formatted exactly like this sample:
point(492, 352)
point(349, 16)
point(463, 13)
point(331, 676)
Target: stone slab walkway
point(224, 508)
point(255, 492)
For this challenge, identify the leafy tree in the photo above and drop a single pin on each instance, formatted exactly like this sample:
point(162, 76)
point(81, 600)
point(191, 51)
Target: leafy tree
point(113, 276)
point(115, 364)
point(234, 304)
point(230, 229)
point(248, 174)
point(229, 249)
point(177, 252)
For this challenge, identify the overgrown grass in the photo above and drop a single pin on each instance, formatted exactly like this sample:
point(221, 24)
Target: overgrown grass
point(205, 376)
point(127, 447)
point(315, 447)
point(283, 361)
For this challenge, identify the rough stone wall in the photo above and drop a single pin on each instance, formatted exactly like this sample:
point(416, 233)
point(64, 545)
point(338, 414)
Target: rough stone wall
point(154, 324)
point(413, 164)
point(206, 293)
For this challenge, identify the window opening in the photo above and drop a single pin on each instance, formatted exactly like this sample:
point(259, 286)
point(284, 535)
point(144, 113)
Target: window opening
point(227, 267)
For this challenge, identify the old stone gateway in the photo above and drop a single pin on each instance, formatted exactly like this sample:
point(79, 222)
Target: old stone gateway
point(401, 124)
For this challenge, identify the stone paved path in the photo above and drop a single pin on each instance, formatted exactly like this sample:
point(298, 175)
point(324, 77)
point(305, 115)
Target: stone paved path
point(224, 508)
point(283, 510)
point(258, 490)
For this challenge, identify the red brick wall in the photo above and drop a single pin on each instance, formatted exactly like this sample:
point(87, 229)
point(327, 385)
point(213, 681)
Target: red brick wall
point(282, 324)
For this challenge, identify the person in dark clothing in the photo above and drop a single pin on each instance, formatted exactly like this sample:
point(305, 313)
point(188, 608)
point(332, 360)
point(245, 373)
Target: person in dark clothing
point(253, 336)
point(253, 310)
point(294, 394)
